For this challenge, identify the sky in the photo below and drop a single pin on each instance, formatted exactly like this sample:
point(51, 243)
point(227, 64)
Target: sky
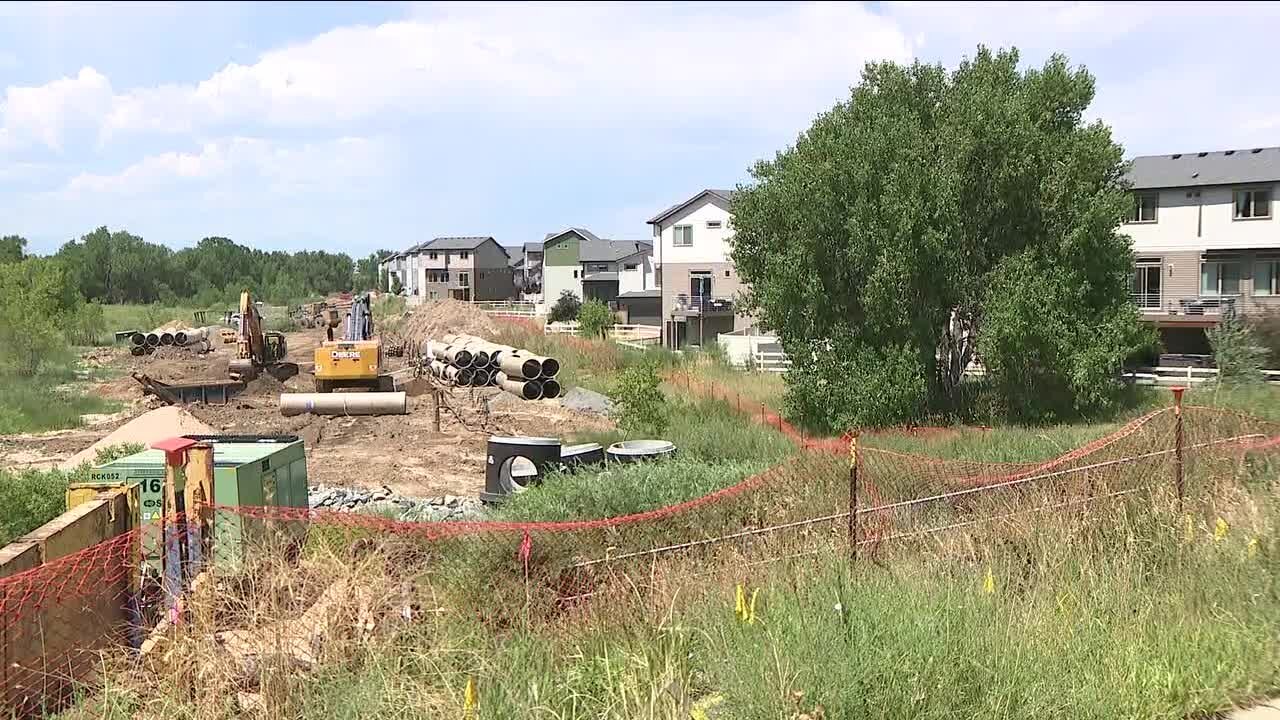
point(356, 126)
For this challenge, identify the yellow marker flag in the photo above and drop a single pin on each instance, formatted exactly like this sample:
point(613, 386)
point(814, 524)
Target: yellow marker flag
point(751, 607)
point(1253, 548)
point(1220, 530)
point(739, 602)
point(470, 699)
point(989, 582)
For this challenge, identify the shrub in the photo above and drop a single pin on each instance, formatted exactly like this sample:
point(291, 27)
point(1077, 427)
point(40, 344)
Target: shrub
point(639, 405)
point(1236, 351)
point(1266, 329)
point(566, 308)
point(594, 319)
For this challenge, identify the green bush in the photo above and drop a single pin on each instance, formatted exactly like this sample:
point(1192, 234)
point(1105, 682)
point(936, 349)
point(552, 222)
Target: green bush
point(1236, 351)
point(594, 319)
point(639, 406)
point(566, 308)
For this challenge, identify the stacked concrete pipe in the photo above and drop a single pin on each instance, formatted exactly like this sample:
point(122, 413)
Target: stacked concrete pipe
point(511, 369)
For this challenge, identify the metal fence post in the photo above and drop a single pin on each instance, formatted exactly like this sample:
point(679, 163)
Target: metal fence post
point(1178, 468)
point(853, 499)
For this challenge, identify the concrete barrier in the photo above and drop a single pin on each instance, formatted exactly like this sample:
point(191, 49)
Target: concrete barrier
point(64, 595)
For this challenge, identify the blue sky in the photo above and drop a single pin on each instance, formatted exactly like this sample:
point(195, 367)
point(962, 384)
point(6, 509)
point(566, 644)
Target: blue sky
point(358, 126)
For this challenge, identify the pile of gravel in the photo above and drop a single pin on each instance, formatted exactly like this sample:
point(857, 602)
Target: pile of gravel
point(387, 503)
point(586, 401)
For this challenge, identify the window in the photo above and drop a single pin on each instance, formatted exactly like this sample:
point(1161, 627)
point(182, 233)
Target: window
point(683, 236)
point(599, 268)
point(726, 273)
point(1144, 207)
point(481, 276)
point(1253, 204)
point(464, 255)
point(1219, 277)
point(1146, 283)
point(1266, 277)
point(432, 256)
point(630, 266)
point(713, 224)
point(575, 274)
point(464, 279)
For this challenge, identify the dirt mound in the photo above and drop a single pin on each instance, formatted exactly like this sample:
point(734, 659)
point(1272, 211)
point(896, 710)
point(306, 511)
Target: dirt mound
point(435, 318)
point(149, 427)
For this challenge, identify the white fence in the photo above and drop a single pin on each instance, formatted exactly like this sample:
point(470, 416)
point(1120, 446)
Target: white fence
point(774, 361)
point(1183, 375)
point(510, 308)
point(638, 336)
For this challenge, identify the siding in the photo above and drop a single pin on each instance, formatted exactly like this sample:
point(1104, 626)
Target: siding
point(675, 281)
point(1186, 222)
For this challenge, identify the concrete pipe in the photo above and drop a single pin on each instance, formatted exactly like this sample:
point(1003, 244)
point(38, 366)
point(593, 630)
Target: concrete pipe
point(550, 366)
point(180, 337)
point(550, 389)
point(459, 357)
point(521, 366)
point(479, 377)
point(149, 349)
point(191, 337)
point(166, 338)
point(479, 359)
point(153, 339)
point(138, 350)
point(344, 403)
point(138, 339)
point(464, 377)
point(527, 389)
point(437, 368)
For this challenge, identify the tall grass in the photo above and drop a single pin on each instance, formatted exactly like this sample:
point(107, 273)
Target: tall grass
point(45, 403)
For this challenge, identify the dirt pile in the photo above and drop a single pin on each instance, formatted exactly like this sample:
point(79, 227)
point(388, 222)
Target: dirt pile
point(149, 427)
point(435, 318)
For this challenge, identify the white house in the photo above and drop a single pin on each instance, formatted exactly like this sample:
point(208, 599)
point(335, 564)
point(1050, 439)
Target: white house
point(1205, 239)
point(693, 242)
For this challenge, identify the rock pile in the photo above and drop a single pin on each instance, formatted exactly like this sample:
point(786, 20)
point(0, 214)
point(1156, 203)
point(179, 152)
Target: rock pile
point(385, 502)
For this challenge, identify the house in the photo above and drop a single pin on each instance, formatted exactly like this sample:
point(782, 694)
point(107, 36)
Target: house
point(696, 274)
point(465, 268)
point(531, 268)
point(594, 268)
point(1206, 240)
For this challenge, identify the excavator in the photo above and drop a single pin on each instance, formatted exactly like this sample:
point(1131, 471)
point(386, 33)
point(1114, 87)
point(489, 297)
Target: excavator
point(258, 351)
point(355, 360)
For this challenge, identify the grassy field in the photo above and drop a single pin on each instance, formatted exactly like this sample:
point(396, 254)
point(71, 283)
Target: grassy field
point(1124, 609)
point(44, 403)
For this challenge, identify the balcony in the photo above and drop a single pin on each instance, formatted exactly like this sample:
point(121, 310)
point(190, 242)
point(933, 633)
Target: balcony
point(1152, 304)
point(702, 306)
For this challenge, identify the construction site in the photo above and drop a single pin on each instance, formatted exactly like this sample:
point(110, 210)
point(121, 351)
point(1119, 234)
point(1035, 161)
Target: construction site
point(408, 453)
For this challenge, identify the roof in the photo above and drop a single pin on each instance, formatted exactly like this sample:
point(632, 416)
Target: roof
point(469, 242)
point(634, 294)
point(516, 261)
point(533, 247)
point(1220, 167)
point(593, 248)
point(717, 197)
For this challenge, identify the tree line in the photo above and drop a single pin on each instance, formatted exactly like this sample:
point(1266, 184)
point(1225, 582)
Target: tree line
point(120, 267)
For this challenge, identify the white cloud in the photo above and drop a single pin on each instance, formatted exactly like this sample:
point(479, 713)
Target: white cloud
point(579, 63)
point(253, 164)
point(44, 113)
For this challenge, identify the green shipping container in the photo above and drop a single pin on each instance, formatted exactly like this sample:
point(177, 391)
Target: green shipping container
point(268, 471)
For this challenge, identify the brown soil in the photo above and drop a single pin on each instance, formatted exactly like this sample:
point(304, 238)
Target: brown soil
point(401, 452)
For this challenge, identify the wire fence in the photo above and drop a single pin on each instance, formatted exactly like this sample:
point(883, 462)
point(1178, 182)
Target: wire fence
point(231, 600)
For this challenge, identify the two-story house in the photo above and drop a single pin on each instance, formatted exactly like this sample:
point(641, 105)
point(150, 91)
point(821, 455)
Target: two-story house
point(531, 268)
point(1206, 240)
point(696, 274)
point(465, 268)
point(594, 268)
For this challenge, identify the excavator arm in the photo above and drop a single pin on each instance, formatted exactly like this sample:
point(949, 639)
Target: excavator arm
point(257, 350)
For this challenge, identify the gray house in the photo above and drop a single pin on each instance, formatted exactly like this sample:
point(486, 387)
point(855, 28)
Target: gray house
point(465, 268)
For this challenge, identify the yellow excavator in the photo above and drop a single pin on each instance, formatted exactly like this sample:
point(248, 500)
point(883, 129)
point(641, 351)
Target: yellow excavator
point(355, 360)
point(258, 351)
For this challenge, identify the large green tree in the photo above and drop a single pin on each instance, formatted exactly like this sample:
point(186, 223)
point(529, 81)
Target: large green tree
point(934, 214)
point(12, 248)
